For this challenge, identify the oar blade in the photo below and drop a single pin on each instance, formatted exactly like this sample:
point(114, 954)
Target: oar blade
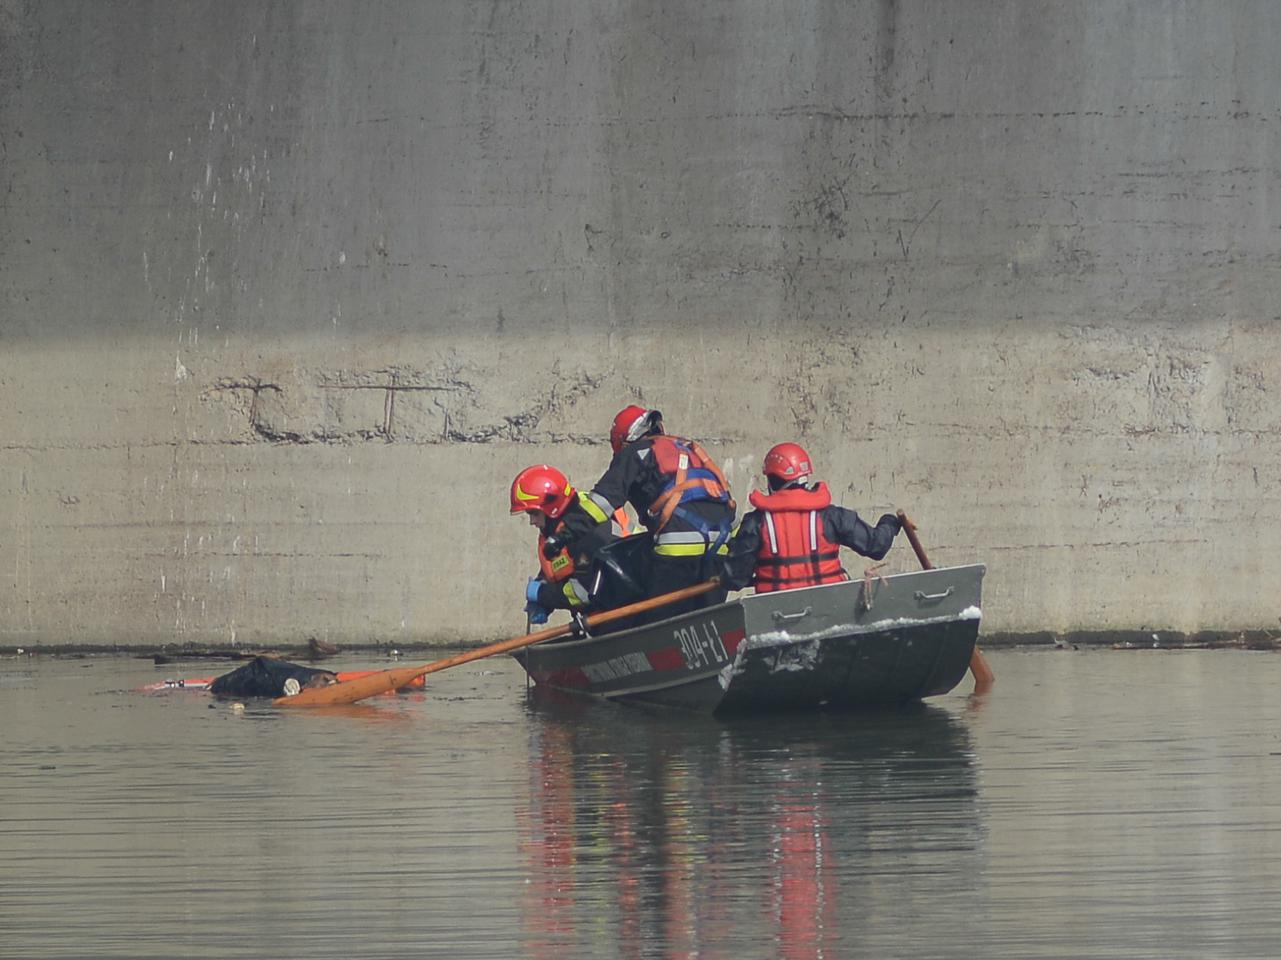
point(983, 675)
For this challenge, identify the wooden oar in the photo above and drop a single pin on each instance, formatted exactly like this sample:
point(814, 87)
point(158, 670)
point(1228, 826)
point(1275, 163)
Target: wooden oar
point(983, 675)
point(350, 691)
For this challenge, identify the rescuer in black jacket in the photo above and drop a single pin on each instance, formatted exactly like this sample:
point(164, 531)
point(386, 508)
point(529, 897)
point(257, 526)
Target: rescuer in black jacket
point(679, 494)
point(572, 532)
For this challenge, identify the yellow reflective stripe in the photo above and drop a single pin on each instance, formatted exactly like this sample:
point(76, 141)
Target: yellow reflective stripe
point(574, 593)
point(687, 549)
point(593, 511)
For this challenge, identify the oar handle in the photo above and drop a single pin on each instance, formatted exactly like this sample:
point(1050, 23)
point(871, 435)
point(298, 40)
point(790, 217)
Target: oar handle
point(910, 529)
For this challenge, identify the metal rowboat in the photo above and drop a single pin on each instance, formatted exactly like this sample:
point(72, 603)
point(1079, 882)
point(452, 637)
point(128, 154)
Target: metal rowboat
point(842, 646)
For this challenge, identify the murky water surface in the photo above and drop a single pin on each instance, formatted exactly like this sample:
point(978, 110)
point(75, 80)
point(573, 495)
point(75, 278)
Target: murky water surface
point(1094, 804)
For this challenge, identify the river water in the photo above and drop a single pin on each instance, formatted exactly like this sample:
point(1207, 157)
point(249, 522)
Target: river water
point(1095, 803)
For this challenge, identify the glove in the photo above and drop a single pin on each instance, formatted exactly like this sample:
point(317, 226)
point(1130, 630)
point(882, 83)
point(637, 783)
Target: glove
point(536, 612)
point(551, 547)
point(891, 519)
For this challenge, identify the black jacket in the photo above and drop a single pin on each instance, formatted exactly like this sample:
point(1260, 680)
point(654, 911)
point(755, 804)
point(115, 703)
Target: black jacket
point(583, 536)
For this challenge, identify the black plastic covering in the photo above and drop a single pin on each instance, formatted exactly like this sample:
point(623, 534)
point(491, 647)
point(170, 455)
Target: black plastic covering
point(618, 574)
point(266, 677)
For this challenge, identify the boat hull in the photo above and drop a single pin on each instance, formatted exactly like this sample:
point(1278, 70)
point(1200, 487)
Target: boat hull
point(814, 648)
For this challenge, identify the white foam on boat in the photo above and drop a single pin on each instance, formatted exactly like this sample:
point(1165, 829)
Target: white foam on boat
point(778, 638)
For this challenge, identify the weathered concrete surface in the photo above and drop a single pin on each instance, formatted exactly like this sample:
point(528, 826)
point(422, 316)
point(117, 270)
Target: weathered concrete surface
point(292, 290)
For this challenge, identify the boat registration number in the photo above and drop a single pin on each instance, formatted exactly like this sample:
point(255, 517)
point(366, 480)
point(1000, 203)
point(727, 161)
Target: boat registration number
point(701, 645)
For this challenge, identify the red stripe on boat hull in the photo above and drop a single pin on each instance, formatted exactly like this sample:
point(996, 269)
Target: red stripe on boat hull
point(732, 639)
point(669, 658)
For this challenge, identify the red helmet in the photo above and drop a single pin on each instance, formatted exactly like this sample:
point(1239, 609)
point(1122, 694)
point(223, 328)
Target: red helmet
point(632, 423)
point(541, 488)
point(787, 462)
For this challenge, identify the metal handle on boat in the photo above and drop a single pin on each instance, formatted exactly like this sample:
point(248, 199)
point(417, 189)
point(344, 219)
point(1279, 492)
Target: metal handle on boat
point(934, 596)
point(779, 615)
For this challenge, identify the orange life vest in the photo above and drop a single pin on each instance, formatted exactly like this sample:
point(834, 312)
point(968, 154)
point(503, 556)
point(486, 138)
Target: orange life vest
point(559, 567)
point(689, 474)
point(795, 551)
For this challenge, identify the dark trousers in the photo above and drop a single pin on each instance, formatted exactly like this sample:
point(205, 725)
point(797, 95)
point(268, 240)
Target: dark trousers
point(656, 575)
point(675, 573)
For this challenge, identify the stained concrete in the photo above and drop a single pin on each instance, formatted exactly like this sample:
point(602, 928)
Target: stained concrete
point(292, 290)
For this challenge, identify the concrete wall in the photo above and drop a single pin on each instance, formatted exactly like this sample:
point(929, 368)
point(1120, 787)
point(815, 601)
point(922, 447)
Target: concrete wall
point(292, 290)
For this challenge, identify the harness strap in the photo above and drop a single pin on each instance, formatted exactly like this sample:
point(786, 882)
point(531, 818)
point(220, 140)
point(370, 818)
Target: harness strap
point(708, 481)
point(694, 542)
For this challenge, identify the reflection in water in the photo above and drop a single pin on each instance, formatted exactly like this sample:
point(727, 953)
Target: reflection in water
point(366, 712)
point(665, 829)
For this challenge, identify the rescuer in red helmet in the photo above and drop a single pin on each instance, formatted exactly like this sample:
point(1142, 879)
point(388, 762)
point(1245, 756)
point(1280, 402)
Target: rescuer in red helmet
point(793, 537)
point(571, 530)
point(679, 494)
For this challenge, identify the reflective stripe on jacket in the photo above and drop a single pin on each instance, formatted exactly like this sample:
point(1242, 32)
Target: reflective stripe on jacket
point(689, 543)
point(576, 595)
